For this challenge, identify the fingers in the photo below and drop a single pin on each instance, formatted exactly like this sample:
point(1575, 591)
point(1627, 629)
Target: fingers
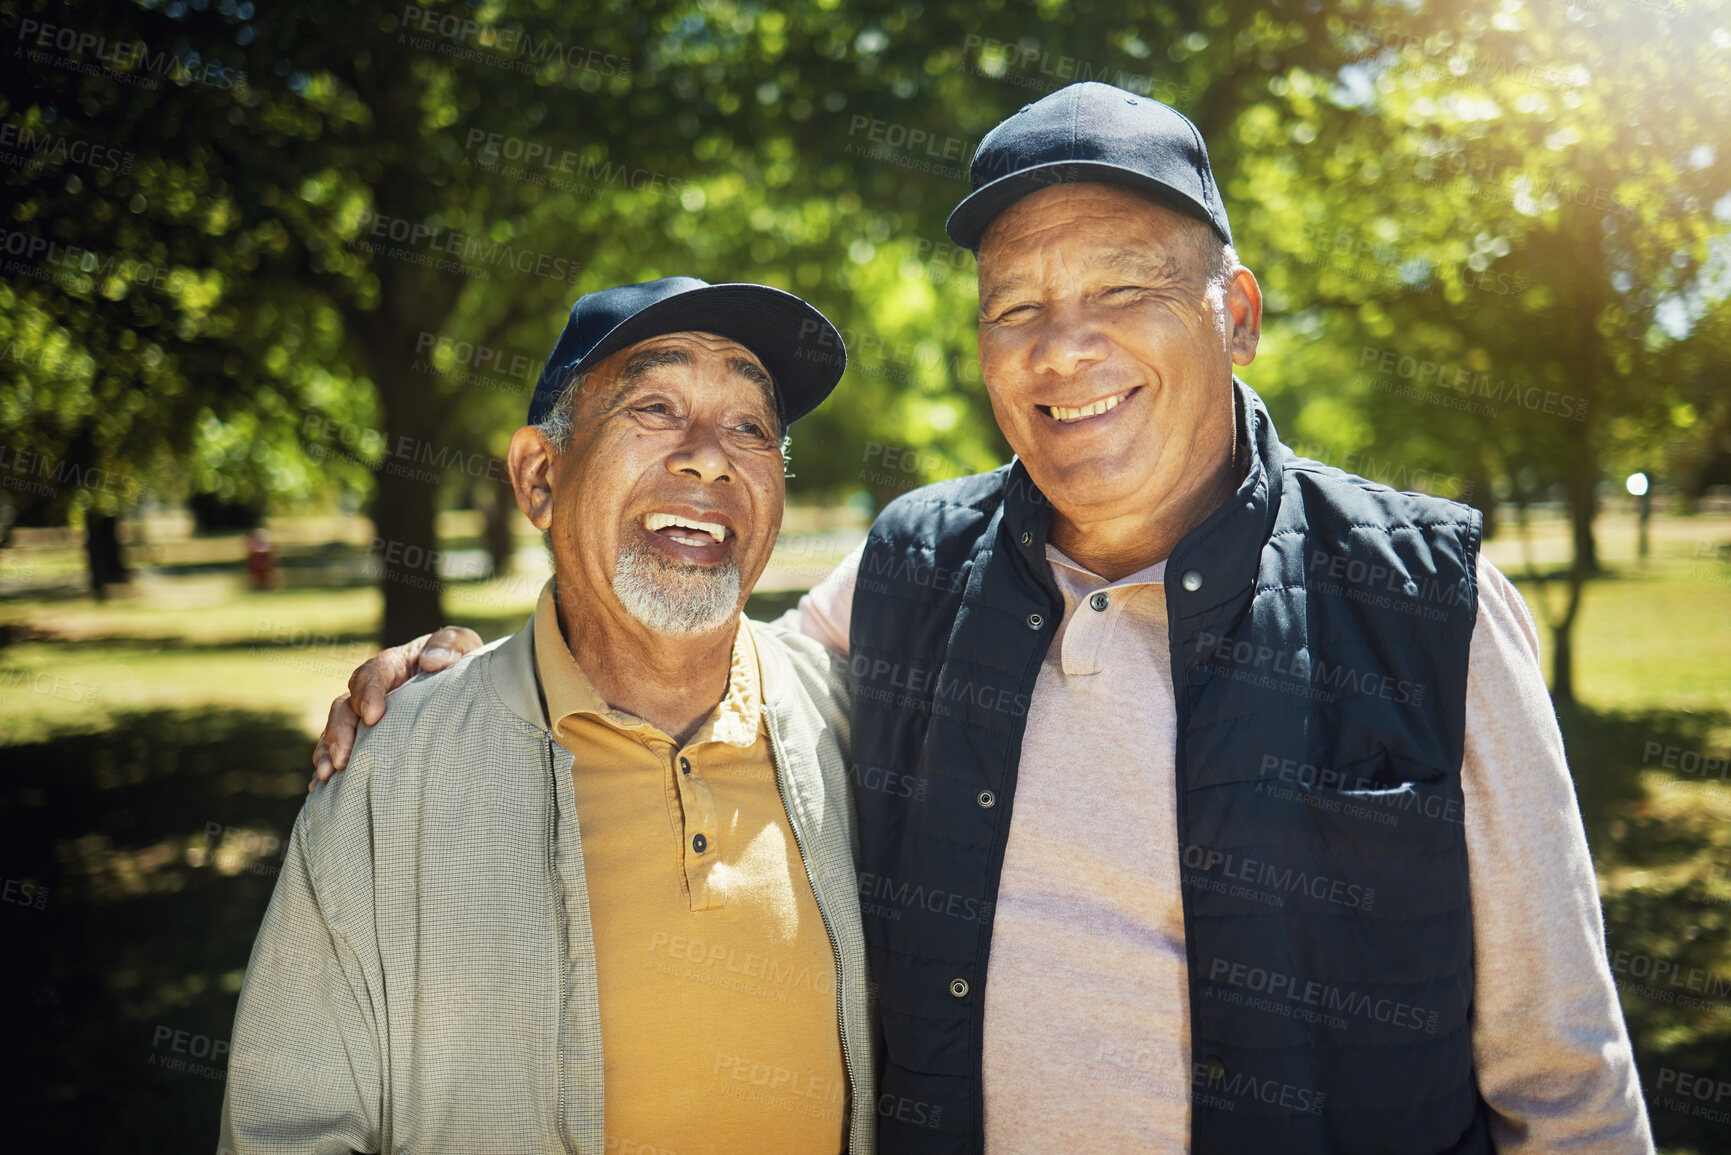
point(337, 742)
point(381, 674)
point(445, 647)
point(372, 682)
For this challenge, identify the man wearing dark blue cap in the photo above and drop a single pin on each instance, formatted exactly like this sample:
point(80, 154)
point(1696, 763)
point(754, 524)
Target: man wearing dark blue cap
point(1241, 820)
point(593, 888)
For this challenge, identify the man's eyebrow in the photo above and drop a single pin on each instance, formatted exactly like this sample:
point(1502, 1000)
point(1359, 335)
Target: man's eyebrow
point(999, 289)
point(1143, 266)
point(753, 373)
point(640, 364)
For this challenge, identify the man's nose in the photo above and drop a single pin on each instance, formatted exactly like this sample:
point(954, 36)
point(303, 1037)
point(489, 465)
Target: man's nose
point(701, 455)
point(1068, 340)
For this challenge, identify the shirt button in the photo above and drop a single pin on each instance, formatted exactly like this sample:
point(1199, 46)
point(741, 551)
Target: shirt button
point(1192, 580)
point(1199, 675)
point(1100, 601)
point(959, 988)
point(699, 843)
point(684, 766)
point(987, 799)
point(1215, 1068)
point(1035, 621)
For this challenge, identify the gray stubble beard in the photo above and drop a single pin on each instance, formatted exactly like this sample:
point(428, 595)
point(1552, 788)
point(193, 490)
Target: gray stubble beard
point(671, 597)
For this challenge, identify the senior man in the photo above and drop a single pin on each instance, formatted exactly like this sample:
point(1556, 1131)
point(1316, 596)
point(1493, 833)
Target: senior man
point(1210, 798)
point(593, 888)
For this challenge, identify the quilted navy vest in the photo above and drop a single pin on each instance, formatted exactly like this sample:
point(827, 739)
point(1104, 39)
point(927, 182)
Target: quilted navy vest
point(1319, 633)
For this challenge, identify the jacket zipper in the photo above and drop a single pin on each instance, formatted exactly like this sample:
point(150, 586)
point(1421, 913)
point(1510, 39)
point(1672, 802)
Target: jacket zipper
point(829, 929)
point(564, 937)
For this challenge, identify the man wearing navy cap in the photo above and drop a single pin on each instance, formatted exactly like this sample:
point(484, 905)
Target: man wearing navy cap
point(593, 888)
point(1240, 820)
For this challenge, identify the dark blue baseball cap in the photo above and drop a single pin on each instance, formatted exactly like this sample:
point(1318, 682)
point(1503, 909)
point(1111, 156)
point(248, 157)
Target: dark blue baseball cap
point(801, 349)
point(1090, 132)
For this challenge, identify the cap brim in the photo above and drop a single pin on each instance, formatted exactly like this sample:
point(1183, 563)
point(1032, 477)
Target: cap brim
point(802, 351)
point(970, 220)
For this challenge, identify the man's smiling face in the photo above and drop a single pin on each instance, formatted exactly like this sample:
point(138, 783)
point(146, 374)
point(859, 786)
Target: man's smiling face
point(1106, 350)
point(671, 491)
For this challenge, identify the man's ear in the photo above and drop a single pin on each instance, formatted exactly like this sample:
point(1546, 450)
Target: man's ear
point(1244, 307)
point(530, 461)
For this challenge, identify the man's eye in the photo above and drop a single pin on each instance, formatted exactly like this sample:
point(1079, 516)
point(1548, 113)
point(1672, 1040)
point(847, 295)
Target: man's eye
point(653, 407)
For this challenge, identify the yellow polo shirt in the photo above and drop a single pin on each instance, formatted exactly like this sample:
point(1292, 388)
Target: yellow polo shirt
point(719, 1028)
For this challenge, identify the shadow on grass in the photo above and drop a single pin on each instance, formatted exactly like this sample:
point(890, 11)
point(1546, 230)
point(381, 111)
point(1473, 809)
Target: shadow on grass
point(137, 863)
point(1658, 818)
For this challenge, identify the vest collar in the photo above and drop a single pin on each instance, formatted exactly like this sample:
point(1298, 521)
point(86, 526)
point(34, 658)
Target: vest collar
point(1223, 551)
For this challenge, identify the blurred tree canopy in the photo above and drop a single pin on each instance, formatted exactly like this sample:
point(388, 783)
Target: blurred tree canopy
point(326, 248)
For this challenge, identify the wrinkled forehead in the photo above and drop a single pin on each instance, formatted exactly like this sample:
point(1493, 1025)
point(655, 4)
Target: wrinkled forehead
point(651, 359)
point(1096, 230)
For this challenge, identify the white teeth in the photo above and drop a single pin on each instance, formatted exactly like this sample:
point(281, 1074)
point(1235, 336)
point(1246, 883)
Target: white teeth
point(657, 521)
point(1065, 414)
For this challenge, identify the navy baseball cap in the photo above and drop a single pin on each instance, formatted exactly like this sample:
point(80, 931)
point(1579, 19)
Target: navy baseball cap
point(801, 349)
point(1090, 132)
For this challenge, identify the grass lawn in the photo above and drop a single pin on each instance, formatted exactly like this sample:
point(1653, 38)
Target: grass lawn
point(155, 752)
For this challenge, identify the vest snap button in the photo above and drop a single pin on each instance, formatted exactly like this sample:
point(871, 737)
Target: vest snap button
point(1215, 1068)
point(1035, 621)
point(1199, 675)
point(1027, 538)
point(959, 988)
point(1192, 580)
point(987, 799)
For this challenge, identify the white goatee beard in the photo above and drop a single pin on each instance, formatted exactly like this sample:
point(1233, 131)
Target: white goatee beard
point(671, 597)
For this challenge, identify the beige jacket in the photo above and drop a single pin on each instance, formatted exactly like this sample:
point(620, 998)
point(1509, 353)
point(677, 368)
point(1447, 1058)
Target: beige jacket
point(424, 980)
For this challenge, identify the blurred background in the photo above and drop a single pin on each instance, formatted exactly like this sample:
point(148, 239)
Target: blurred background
point(276, 283)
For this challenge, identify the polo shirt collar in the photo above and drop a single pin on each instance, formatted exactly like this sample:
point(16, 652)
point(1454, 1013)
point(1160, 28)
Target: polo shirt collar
point(568, 690)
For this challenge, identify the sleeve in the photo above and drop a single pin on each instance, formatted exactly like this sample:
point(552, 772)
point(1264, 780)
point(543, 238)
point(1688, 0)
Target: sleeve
point(826, 612)
point(304, 1063)
point(1549, 1044)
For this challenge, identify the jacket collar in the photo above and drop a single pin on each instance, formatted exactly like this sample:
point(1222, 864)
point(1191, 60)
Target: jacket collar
point(513, 670)
point(1223, 550)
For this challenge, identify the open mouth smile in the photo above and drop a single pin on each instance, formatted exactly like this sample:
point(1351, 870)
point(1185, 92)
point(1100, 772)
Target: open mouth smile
point(1068, 416)
point(688, 531)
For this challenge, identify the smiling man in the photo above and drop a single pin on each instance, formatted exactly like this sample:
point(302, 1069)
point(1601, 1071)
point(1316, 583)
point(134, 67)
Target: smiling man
point(593, 889)
point(1210, 798)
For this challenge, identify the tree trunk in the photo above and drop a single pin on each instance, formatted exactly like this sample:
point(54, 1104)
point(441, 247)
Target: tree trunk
point(405, 514)
point(499, 510)
point(103, 552)
point(1562, 665)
